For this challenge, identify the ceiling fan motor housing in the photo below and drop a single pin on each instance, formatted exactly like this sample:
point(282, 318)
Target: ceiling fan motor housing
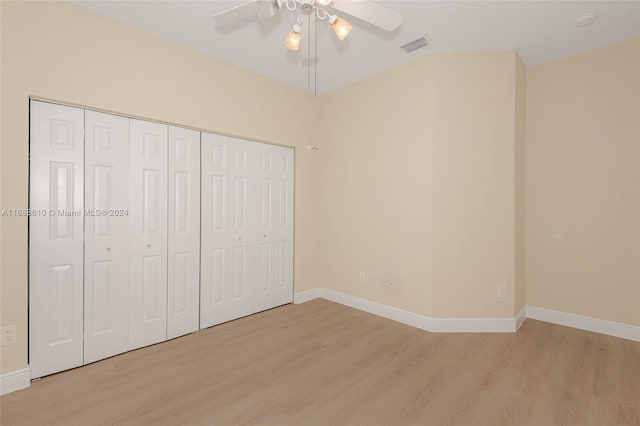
point(306, 6)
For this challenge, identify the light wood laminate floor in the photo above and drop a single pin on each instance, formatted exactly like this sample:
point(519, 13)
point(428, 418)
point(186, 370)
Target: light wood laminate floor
point(321, 363)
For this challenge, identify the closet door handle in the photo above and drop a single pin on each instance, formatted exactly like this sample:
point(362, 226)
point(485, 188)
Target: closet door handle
point(108, 248)
point(148, 245)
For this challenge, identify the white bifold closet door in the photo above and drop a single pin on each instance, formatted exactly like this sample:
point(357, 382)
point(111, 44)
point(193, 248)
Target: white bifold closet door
point(274, 269)
point(183, 298)
point(143, 232)
point(227, 230)
point(106, 250)
point(241, 229)
point(247, 228)
point(147, 233)
point(56, 238)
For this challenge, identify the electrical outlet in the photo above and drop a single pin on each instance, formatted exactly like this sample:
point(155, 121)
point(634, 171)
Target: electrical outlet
point(391, 284)
point(8, 335)
point(362, 277)
point(501, 291)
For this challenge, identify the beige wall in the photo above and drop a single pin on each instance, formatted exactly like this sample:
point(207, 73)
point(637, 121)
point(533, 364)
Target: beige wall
point(582, 169)
point(376, 187)
point(63, 52)
point(418, 185)
point(474, 184)
point(520, 164)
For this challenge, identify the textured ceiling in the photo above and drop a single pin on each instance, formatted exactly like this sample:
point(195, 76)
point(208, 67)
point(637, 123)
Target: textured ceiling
point(541, 31)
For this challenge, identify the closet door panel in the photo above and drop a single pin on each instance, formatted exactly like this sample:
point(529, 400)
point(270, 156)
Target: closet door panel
point(274, 278)
point(215, 256)
point(56, 183)
point(228, 230)
point(106, 277)
point(148, 234)
point(242, 238)
point(184, 232)
point(283, 285)
point(266, 253)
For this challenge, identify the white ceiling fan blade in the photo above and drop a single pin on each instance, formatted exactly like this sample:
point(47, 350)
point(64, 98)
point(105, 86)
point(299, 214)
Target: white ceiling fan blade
point(308, 33)
point(237, 14)
point(374, 14)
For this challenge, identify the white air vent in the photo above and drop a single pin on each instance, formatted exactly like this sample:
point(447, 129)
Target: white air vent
point(415, 45)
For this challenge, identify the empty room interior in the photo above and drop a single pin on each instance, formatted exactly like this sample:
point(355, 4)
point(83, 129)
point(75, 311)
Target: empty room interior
point(320, 212)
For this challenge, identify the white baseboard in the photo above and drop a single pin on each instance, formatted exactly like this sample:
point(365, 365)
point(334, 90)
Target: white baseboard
point(15, 380)
point(385, 311)
point(436, 325)
point(595, 325)
point(473, 325)
point(520, 317)
point(305, 296)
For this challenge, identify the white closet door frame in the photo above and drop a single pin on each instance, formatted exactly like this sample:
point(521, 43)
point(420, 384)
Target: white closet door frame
point(56, 185)
point(183, 299)
point(106, 273)
point(148, 234)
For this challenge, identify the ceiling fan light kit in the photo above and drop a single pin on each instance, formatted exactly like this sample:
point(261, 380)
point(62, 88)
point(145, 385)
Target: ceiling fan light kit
point(364, 10)
point(306, 10)
point(340, 26)
point(293, 39)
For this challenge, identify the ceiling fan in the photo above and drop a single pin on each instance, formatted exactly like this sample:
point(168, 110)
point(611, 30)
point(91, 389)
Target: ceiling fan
point(308, 11)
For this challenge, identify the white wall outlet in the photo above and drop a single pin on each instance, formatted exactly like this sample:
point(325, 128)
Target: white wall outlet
point(8, 335)
point(362, 277)
point(391, 283)
point(501, 291)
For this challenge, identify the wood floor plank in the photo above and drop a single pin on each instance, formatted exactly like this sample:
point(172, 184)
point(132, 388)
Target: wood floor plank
point(321, 363)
